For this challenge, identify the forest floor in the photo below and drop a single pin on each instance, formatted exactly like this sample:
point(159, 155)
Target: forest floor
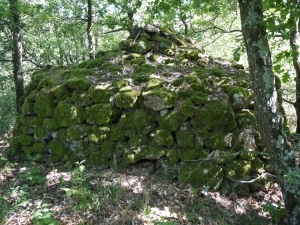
point(47, 193)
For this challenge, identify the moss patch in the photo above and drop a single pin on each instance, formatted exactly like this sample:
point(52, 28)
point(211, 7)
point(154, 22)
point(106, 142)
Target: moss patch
point(66, 114)
point(201, 175)
point(98, 114)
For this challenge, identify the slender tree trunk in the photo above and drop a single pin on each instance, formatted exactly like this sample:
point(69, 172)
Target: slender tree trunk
point(294, 33)
point(17, 51)
point(89, 30)
point(267, 110)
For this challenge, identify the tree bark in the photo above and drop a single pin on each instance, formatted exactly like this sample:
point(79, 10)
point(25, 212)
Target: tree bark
point(294, 20)
point(89, 30)
point(267, 110)
point(17, 51)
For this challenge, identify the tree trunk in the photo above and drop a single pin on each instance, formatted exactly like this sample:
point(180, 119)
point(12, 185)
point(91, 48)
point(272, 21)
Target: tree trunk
point(295, 23)
point(267, 110)
point(17, 51)
point(89, 30)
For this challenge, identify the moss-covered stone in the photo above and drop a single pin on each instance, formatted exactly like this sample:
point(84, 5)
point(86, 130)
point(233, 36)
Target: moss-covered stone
point(238, 169)
point(239, 97)
point(245, 118)
point(81, 98)
point(76, 132)
point(172, 155)
point(142, 46)
point(151, 151)
point(98, 135)
point(25, 139)
point(217, 72)
point(201, 175)
point(163, 137)
point(201, 134)
point(66, 114)
point(185, 139)
point(98, 114)
point(39, 147)
point(160, 98)
point(219, 140)
point(117, 133)
point(101, 93)
point(50, 124)
point(41, 133)
point(57, 148)
point(138, 141)
point(139, 120)
point(215, 115)
point(171, 121)
point(187, 108)
point(77, 83)
point(192, 153)
point(61, 92)
point(107, 149)
point(44, 106)
point(126, 97)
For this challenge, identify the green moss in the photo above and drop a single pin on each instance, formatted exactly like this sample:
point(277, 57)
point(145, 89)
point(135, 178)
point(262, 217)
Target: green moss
point(44, 106)
point(218, 140)
point(66, 114)
point(192, 78)
point(47, 82)
point(257, 165)
point(201, 175)
point(137, 141)
point(239, 97)
point(96, 158)
point(28, 150)
point(138, 61)
point(50, 124)
point(79, 73)
point(107, 149)
point(171, 121)
point(238, 169)
point(185, 139)
point(215, 115)
point(98, 135)
point(57, 148)
point(198, 98)
point(245, 118)
point(117, 133)
point(81, 98)
point(76, 132)
point(172, 155)
point(145, 69)
point(222, 157)
point(41, 133)
point(101, 93)
point(139, 120)
point(187, 108)
point(192, 153)
point(142, 46)
point(25, 139)
point(77, 83)
point(151, 151)
point(217, 72)
point(93, 63)
point(39, 147)
point(154, 83)
point(126, 97)
point(27, 107)
point(163, 137)
point(98, 114)
point(61, 92)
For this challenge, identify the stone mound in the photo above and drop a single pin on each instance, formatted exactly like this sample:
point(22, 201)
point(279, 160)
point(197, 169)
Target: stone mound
point(158, 97)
